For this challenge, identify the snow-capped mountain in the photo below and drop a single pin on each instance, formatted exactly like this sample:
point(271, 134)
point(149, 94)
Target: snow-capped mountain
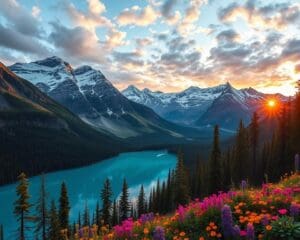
point(86, 92)
point(223, 104)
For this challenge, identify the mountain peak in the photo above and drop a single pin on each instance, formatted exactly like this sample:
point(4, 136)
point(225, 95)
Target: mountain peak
point(83, 69)
point(51, 62)
point(131, 88)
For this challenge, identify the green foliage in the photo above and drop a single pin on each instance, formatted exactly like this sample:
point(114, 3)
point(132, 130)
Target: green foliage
point(124, 201)
point(182, 191)
point(22, 205)
point(64, 207)
point(284, 228)
point(41, 210)
point(54, 226)
point(141, 204)
point(106, 195)
point(215, 173)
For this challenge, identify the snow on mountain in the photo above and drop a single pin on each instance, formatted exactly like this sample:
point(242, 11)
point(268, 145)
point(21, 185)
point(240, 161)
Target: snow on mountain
point(86, 92)
point(223, 104)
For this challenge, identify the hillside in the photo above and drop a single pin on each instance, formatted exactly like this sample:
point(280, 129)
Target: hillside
point(270, 212)
point(39, 135)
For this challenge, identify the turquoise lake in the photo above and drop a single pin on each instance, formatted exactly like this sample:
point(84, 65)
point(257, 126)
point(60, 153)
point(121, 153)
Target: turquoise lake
point(84, 184)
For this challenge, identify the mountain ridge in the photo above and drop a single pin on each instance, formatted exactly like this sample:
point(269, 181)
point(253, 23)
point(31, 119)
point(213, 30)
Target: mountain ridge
point(86, 92)
point(197, 106)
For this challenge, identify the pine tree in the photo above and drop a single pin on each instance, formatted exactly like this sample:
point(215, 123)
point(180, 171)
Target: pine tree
point(22, 205)
point(241, 166)
point(181, 196)
point(124, 201)
point(54, 226)
point(79, 219)
point(64, 207)
point(86, 215)
point(141, 202)
point(106, 195)
point(215, 174)
point(115, 214)
point(1, 232)
point(254, 137)
point(41, 209)
point(97, 215)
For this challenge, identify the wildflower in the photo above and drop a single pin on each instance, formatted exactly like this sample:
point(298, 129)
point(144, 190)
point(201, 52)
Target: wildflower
point(227, 222)
point(268, 227)
point(297, 163)
point(282, 211)
point(182, 234)
point(146, 218)
point(265, 220)
point(146, 231)
point(159, 233)
point(243, 185)
point(294, 210)
point(250, 231)
point(243, 233)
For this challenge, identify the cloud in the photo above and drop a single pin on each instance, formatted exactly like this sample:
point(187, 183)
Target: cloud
point(92, 18)
point(192, 14)
point(35, 11)
point(228, 36)
point(276, 16)
point(115, 38)
point(167, 7)
point(17, 41)
point(137, 16)
point(297, 68)
point(19, 19)
point(78, 42)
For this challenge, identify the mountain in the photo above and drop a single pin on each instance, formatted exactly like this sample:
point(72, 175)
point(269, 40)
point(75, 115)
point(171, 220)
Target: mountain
point(223, 104)
point(39, 135)
point(87, 93)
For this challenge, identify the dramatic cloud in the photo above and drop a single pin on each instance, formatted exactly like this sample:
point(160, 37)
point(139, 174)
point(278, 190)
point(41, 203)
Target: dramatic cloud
point(19, 19)
point(228, 36)
point(77, 42)
point(192, 13)
point(297, 69)
point(275, 16)
point(17, 41)
point(90, 19)
point(138, 16)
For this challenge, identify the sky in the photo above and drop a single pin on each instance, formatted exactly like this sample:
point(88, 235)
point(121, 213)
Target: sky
point(166, 45)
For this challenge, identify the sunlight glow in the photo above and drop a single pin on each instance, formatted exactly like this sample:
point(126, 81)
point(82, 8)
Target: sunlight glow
point(271, 103)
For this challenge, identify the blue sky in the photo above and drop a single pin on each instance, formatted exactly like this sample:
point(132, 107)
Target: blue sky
point(165, 45)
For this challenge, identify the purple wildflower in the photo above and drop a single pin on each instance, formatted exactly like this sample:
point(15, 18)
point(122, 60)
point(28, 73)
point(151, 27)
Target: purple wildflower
point(250, 232)
point(294, 210)
point(243, 185)
point(227, 222)
point(159, 233)
point(297, 163)
point(147, 218)
point(265, 220)
point(236, 230)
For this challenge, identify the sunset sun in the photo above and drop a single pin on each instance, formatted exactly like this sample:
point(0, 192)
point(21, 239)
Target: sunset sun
point(272, 103)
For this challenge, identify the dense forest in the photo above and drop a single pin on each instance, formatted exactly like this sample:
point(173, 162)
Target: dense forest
point(251, 160)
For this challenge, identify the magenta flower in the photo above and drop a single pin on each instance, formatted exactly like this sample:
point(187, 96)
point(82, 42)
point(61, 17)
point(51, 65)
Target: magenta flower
point(282, 211)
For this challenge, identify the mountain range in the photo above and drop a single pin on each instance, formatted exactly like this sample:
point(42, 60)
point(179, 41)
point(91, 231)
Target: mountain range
point(223, 105)
point(39, 135)
point(87, 93)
